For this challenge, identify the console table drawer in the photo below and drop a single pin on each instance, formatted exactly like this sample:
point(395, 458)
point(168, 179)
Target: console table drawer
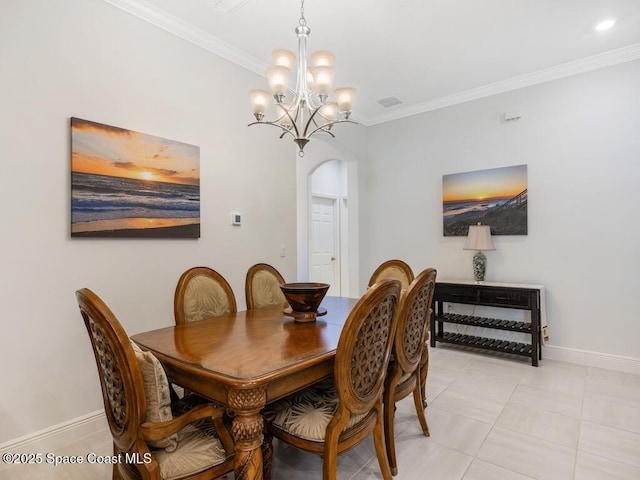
point(485, 295)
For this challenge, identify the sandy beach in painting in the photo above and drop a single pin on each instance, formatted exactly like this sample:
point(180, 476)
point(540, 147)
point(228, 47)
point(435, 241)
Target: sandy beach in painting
point(139, 227)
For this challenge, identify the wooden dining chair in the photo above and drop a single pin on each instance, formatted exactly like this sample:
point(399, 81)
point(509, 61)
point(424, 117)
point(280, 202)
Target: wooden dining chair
point(395, 269)
point(201, 293)
point(151, 443)
point(336, 414)
point(262, 286)
point(408, 356)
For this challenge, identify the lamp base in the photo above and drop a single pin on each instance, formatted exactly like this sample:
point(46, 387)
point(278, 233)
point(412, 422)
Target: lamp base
point(479, 267)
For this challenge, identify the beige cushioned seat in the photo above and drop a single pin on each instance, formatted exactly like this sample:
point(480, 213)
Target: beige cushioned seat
point(307, 413)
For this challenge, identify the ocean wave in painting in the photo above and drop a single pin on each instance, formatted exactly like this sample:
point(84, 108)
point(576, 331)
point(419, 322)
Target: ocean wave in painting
point(101, 197)
point(451, 209)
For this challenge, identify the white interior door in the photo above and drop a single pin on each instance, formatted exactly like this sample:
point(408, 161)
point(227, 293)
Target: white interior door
point(323, 248)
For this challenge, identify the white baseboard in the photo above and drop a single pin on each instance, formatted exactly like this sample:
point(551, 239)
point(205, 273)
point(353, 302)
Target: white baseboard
point(592, 359)
point(52, 438)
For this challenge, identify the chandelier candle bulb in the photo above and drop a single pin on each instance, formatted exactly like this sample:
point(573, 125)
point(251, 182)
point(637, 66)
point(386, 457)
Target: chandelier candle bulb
point(259, 102)
point(323, 79)
point(278, 78)
point(344, 96)
point(329, 111)
point(322, 58)
point(284, 58)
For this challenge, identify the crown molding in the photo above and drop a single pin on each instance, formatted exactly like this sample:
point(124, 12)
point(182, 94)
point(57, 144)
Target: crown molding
point(172, 24)
point(602, 60)
point(226, 6)
point(175, 25)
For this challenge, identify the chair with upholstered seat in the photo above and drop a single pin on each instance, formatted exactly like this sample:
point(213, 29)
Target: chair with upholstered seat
point(334, 415)
point(408, 356)
point(201, 293)
point(395, 269)
point(262, 286)
point(151, 443)
point(400, 270)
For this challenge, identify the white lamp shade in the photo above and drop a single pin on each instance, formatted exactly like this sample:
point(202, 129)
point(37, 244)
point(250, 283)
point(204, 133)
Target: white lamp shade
point(479, 238)
point(278, 78)
point(323, 79)
point(329, 111)
point(322, 58)
point(283, 58)
point(344, 97)
point(259, 100)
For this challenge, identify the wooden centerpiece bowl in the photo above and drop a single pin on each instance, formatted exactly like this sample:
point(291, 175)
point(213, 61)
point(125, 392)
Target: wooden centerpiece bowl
point(304, 299)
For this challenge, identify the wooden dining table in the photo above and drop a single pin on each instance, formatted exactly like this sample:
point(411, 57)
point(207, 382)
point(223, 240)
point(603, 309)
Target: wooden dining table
point(247, 359)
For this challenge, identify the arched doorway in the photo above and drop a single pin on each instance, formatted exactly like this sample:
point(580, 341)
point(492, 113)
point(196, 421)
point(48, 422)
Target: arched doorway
point(327, 191)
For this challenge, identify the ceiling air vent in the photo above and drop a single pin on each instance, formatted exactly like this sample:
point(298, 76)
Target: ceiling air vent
point(389, 102)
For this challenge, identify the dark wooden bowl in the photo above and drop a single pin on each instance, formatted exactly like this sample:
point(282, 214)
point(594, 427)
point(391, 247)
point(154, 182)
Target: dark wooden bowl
point(304, 297)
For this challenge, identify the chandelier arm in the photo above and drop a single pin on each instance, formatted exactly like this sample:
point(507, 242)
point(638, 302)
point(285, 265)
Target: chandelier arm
point(322, 127)
point(285, 130)
point(293, 121)
point(311, 119)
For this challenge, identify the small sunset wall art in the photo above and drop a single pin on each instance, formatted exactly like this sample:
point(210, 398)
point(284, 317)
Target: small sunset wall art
point(130, 184)
point(496, 197)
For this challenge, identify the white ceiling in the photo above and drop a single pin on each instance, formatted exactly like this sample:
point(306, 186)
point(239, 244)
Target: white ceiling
point(428, 53)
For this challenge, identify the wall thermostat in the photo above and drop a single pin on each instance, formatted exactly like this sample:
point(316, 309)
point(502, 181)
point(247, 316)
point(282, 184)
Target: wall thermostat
point(236, 218)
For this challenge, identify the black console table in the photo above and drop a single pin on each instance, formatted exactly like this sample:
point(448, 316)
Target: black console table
point(522, 297)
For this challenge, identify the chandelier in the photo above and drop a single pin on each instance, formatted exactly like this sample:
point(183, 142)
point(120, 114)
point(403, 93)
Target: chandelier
point(306, 110)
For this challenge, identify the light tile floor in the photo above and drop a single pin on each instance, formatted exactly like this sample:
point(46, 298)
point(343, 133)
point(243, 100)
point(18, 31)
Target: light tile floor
point(491, 418)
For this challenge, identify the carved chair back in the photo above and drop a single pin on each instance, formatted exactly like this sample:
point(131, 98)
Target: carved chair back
point(201, 293)
point(364, 348)
point(120, 376)
point(262, 286)
point(395, 269)
point(407, 370)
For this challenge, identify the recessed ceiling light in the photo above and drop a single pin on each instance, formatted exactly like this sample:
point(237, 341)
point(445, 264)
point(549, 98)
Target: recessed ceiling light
point(605, 24)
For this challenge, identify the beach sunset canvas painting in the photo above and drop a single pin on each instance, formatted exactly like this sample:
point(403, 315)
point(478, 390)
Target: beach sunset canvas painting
point(130, 184)
point(496, 197)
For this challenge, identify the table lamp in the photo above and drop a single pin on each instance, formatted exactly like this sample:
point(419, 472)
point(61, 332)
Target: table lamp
point(479, 238)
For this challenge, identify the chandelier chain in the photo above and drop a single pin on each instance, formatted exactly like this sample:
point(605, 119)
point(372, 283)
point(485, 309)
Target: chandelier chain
point(303, 21)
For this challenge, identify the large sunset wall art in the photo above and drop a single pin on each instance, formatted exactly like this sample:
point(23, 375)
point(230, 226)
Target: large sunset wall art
point(130, 184)
point(496, 197)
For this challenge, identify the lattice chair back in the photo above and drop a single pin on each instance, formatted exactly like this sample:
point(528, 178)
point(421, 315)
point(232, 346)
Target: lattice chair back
point(408, 368)
point(413, 321)
point(201, 293)
point(120, 376)
point(262, 286)
point(394, 269)
point(364, 348)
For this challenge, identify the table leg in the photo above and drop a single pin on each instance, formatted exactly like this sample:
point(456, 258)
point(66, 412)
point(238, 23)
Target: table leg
point(247, 430)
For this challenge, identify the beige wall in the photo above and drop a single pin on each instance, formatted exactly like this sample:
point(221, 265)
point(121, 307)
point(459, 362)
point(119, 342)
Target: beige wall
point(88, 59)
point(580, 137)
